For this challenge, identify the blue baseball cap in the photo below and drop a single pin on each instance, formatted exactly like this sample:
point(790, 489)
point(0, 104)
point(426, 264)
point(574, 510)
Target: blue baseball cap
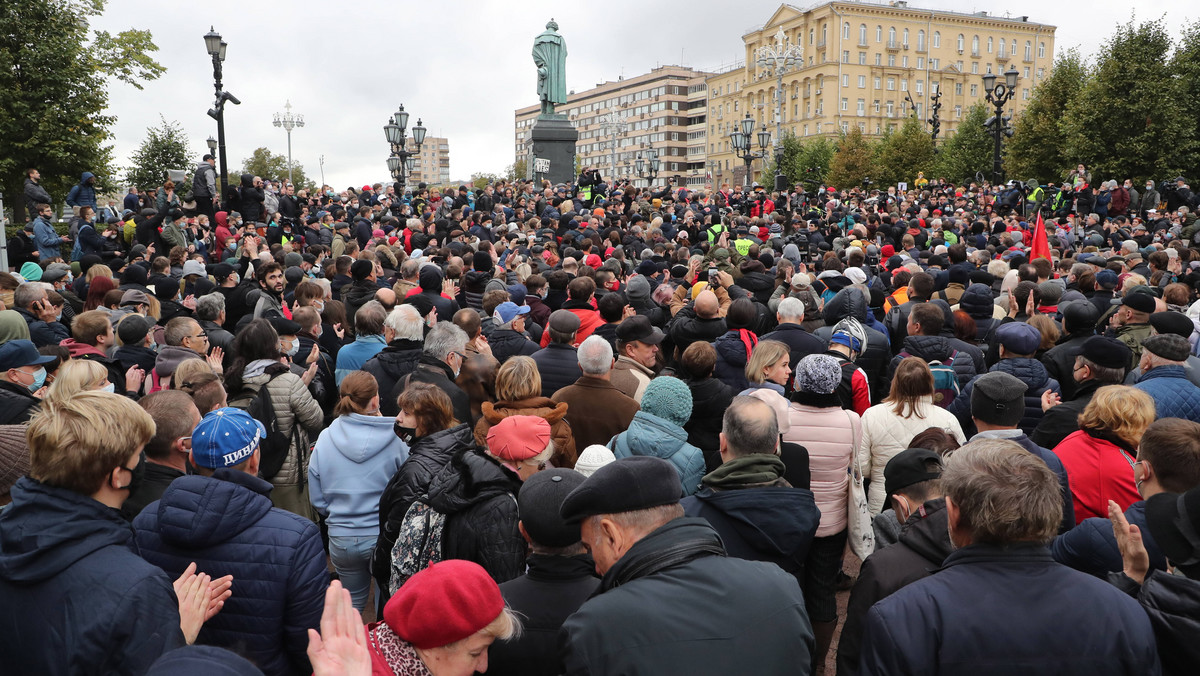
point(508, 311)
point(226, 437)
point(17, 353)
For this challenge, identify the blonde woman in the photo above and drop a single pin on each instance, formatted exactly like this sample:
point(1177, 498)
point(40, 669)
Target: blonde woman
point(1100, 457)
point(78, 375)
point(888, 426)
point(519, 392)
point(768, 371)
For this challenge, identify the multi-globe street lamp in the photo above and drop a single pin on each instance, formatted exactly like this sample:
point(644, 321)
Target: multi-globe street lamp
point(998, 94)
point(402, 160)
point(289, 122)
point(781, 58)
point(742, 140)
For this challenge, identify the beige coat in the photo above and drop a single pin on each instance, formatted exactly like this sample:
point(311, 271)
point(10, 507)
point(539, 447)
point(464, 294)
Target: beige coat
point(885, 434)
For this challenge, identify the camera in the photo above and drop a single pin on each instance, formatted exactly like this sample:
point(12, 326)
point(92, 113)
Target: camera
point(867, 182)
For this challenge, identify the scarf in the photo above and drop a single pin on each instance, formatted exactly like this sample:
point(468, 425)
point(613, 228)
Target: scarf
point(392, 654)
point(756, 468)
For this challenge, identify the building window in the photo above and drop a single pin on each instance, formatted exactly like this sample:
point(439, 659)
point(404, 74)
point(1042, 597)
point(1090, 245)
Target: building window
point(877, 105)
point(958, 89)
point(879, 34)
point(892, 60)
point(846, 31)
point(937, 39)
point(974, 90)
point(877, 82)
point(891, 108)
point(862, 34)
point(989, 68)
point(920, 63)
point(958, 112)
point(933, 64)
point(959, 65)
point(904, 62)
point(845, 80)
point(845, 104)
point(1028, 50)
point(920, 41)
point(845, 56)
point(975, 44)
point(1040, 73)
point(862, 107)
point(845, 126)
point(1001, 52)
point(891, 36)
point(974, 67)
point(1025, 73)
point(920, 110)
point(891, 84)
point(920, 86)
point(862, 58)
point(811, 35)
point(1025, 94)
point(862, 81)
point(879, 59)
point(989, 45)
point(1041, 50)
point(904, 85)
point(960, 42)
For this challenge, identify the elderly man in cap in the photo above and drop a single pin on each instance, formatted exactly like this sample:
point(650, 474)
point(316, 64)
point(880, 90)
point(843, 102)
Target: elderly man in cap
point(1026, 613)
point(670, 600)
point(558, 362)
point(1130, 324)
point(1164, 377)
point(22, 381)
point(559, 579)
point(1018, 342)
point(911, 479)
point(997, 404)
point(637, 349)
point(1172, 323)
point(1101, 361)
point(508, 338)
point(222, 519)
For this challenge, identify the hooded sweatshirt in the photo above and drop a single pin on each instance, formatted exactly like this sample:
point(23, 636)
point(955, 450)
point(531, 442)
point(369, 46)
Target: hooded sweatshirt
point(350, 465)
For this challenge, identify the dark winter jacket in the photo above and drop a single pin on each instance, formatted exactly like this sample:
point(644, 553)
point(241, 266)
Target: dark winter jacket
point(1174, 395)
point(392, 363)
point(1172, 602)
point(1031, 372)
point(474, 283)
point(545, 596)
point(479, 499)
point(710, 398)
point(17, 403)
point(850, 302)
point(1091, 546)
point(1059, 422)
point(508, 343)
point(759, 285)
point(136, 355)
point(251, 201)
point(43, 333)
point(35, 194)
point(558, 365)
point(733, 351)
point(688, 328)
point(154, 483)
point(356, 295)
point(977, 301)
point(436, 373)
point(675, 604)
point(1060, 360)
point(228, 526)
point(427, 456)
point(934, 348)
point(924, 543)
point(1086, 627)
point(83, 194)
point(79, 599)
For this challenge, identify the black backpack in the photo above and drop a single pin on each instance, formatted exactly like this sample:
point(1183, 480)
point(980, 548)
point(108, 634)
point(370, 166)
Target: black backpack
point(273, 449)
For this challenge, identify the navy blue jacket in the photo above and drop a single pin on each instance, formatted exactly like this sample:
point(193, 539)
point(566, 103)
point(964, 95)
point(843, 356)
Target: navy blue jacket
point(77, 598)
point(227, 525)
point(1174, 395)
point(1091, 546)
point(1031, 372)
point(1026, 615)
point(558, 366)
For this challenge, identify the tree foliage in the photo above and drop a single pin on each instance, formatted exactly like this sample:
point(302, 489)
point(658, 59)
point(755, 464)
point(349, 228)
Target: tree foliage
point(903, 153)
point(165, 147)
point(267, 165)
point(852, 162)
point(1036, 148)
point(1119, 124)
point(515, 171)
point(1185, 65)
point(968, 151)
point(55, 73)
point(480, 179)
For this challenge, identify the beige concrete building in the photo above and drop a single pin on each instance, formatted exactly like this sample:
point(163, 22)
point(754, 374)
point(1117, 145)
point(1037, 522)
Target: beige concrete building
point(663, 110)
point(869, 64)
point(433, 163)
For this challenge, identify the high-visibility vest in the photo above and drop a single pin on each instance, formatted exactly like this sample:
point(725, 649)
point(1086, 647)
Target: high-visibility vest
point(714, 231)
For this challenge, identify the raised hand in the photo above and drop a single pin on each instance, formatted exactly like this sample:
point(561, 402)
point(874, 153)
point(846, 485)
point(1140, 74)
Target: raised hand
point(194, 595)
point(340, 649)
point(215, 360)
point(1129, 541)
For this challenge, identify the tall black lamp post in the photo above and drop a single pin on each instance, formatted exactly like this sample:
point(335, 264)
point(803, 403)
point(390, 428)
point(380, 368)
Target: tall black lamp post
point(216, 49)
point(401, 162)
point(935, 106)
point(998, 94)
point(648, 167)
point(743, 144)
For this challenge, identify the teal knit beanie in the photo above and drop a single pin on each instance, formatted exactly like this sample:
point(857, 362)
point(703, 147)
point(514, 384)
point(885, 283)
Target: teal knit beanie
point(668, 398)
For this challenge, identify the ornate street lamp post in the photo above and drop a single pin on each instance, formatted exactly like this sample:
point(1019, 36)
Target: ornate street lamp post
point(289, 122)
point(402, 160)
point(216, 47)
point(781, 58)
point(998, 94)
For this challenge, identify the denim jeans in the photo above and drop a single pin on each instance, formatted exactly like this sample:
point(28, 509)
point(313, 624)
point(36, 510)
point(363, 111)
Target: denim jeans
point(352, 559)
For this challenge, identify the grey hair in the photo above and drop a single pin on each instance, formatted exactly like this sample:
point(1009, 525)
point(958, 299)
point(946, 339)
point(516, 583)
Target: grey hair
point(210, 306)
point(410, 268)
point(790, 308)
point(641, 520)
point(443, 339)
point(368, 321)
point(595, 356)
point(750, 426)
point(1003, 493)
point(406, 322)
point(28, 293)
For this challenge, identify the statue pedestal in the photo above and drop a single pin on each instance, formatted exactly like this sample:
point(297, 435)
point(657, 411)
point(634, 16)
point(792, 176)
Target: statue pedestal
point(553, 139)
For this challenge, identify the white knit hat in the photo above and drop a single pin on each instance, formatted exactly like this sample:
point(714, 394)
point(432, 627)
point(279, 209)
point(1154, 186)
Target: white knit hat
point(593, 458)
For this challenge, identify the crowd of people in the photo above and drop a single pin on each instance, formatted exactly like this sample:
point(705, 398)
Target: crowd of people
point(592, 428)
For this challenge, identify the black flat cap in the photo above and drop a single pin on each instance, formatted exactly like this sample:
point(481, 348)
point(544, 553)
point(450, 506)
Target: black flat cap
point(1140, 302)
point(908, 467)
point(998, 398)
point(1107, 352)
point(626, 485)
point(284, 326)
point(541, 497)
point(1175, 323)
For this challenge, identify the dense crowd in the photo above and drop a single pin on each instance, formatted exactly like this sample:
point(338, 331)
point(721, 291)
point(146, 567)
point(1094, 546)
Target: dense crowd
point(592, 428)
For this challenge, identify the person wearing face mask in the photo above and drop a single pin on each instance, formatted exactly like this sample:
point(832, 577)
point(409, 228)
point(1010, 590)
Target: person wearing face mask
point(347, 472)
point(426, 422)
point(911, 479)
point(22, 378)
point(442, 357)
point(137, 342)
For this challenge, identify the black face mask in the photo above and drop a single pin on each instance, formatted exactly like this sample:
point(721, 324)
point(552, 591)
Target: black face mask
point(406, 434)
point(136, 475)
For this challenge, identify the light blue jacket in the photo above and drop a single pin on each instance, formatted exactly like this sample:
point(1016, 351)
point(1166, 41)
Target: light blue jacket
point(350, 466)
point(352, 356)
point(46, 239)
point(651, 435)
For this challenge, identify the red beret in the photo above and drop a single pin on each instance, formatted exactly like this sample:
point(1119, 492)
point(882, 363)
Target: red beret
point(444, 603)
point(518, 437)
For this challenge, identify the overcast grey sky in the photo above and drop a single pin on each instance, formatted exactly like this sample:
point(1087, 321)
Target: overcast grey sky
point(463, 67)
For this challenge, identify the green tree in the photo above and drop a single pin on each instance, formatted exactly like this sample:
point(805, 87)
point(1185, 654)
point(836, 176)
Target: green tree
point(1122, 122)
point(480, 179)
point(165, 147)
point(968, 151)
point(1186, 67)
point(853, 160)
point(1036, 148)
point(903, 153)
point(814, 161)
point(267, 165)
point(55, 73)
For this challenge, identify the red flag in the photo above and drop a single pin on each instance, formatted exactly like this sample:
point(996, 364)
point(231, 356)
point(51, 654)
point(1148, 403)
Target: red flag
point(1040, 246)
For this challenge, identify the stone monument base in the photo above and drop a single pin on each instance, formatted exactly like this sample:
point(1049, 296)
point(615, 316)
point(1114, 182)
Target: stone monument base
point(553, 139)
